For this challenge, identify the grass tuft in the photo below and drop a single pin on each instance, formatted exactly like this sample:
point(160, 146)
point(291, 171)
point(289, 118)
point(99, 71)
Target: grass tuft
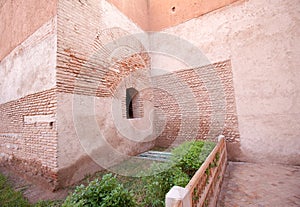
point(9, 197)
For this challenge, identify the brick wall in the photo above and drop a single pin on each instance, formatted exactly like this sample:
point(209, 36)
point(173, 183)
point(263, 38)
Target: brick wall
point(92, 60)
point(88, 63)
point(77, 75)
point(91, 65)
point(28, 134)
point(179, 111)
point(88, 38)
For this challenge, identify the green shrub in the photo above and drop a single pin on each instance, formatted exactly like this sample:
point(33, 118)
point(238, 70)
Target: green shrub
point(48, 203)
point(150, 190)
point(189, 156)
point(157, 185)
point(103, 193)
point(8, 196)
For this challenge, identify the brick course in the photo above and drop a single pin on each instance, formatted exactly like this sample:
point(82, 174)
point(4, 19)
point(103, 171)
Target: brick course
point(33, 142)
point(203, 124)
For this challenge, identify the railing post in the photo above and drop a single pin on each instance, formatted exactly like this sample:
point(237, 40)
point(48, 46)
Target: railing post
point(178, 197)
point(221, 136)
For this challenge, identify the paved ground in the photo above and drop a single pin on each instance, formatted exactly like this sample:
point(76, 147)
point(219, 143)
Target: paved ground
point(260, 185)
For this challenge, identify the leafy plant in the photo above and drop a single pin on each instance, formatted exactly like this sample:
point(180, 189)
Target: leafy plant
point(10, 197)
point(189, 156)
point(103, 193)
point(150, 190)
point(157, 185)
point(48, 203)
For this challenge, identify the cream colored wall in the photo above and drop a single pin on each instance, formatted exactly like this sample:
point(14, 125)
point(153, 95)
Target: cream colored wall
point(261, 38)
point(30, 67)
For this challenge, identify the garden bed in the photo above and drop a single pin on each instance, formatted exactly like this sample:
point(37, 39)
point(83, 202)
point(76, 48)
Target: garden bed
point(203, 189)
point(143, 182)
point(151, 181)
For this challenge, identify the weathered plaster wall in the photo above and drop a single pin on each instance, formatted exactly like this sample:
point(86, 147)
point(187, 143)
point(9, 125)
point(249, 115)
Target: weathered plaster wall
point(72, 60)
point(164, 14)
point(89, 69)
point(153, 15)
point(30, 67)
point(19, 19)
point(73, 161)
point(28, 128)
point(260, 38)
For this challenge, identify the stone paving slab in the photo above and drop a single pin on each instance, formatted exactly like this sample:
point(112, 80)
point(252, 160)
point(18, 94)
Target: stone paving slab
point(260, 185)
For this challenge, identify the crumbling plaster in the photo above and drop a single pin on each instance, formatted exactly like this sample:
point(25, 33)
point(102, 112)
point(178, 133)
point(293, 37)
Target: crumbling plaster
point(30, 67)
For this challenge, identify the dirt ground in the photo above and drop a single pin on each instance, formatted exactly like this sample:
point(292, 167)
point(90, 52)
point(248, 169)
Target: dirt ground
point(260, 185)
point(32, 192)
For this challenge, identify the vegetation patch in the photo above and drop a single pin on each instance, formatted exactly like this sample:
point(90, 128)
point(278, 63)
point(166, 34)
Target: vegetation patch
point(8, 196)
point(105, 192)
point(109, 190)
point(150, 188)
point(157, 185)
point(11, 198)
point(189, 156)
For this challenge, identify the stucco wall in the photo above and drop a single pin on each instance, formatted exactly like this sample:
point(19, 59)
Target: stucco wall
point(20, 19)
point(137, 11)
point(260, 38)
point(30, 67)
point(154, 15)
point(28, 128)
point(167, 13)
